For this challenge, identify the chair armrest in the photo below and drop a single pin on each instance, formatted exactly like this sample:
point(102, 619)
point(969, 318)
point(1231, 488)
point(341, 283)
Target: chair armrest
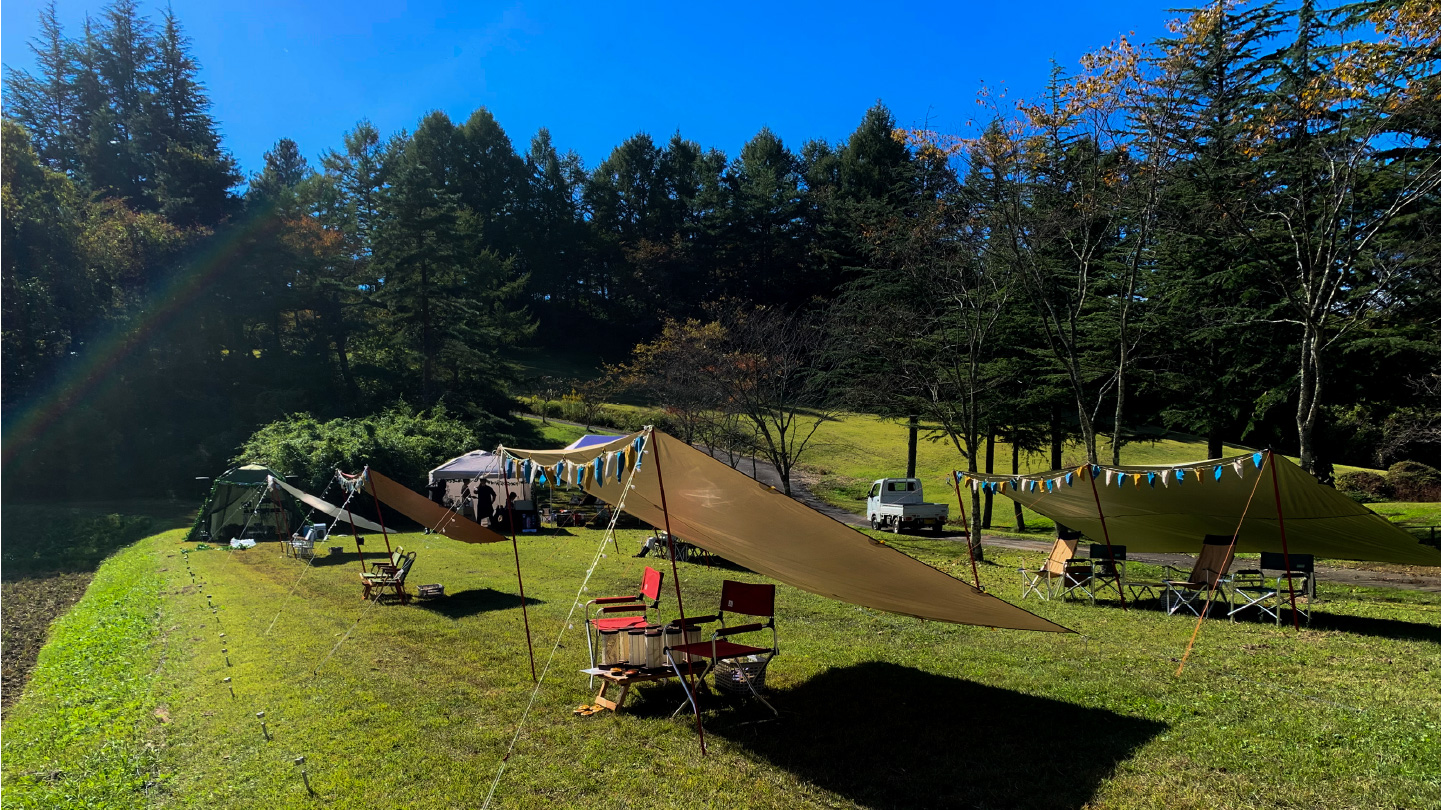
point(740, 628)
point(693, 620)
point(621, 608)
point(614, 600)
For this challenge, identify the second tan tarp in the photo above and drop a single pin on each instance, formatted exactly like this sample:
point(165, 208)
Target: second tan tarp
point(426, 512)
point(1152, 510)
point(725, 512)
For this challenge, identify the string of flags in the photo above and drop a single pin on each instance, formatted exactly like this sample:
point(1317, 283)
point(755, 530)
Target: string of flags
point(603, 468)
point(1051, 482)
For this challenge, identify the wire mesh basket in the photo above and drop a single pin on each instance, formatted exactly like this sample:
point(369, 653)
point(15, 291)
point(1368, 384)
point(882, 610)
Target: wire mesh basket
point(728, 674)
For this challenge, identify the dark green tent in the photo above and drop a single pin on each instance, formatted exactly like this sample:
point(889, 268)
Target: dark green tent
point(241, 501)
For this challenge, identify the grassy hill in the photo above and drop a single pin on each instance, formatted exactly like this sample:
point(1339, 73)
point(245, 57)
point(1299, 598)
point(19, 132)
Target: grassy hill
point(417, 706)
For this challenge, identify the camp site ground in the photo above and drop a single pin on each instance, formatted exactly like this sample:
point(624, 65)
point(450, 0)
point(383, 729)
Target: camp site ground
point(130, 703)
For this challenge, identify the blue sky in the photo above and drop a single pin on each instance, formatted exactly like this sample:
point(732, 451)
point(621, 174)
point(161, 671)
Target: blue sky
point(597, 73)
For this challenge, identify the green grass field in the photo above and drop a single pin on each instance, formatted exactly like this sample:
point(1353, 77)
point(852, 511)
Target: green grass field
point(416, 706)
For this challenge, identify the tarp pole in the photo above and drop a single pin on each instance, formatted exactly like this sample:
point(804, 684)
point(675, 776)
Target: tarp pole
point(971, 550)
point(1285, 553)
point(515, 546)
point(379, 513)
point(1106, 533)
point(354, 532)
point(675, 576)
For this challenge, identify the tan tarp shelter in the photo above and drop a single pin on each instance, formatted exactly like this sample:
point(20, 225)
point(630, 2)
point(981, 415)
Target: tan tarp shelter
point(725, 512)
point(342, 515)
point(1170, 509)
point(427, 513)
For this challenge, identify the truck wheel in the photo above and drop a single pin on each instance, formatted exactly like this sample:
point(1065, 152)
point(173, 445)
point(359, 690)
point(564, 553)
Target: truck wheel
point(896, 527)
point(939, 528)
point(875, 524)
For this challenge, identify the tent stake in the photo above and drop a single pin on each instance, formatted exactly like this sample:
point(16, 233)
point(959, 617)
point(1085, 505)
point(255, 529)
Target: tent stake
point(966, 525)
point(515, 546)
point(654, 447)
point(1107, 534)
point(1285, 554)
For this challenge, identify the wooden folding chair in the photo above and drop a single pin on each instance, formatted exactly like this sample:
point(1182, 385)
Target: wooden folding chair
point(746, 599)
point(1042, 581)
point(391, 579)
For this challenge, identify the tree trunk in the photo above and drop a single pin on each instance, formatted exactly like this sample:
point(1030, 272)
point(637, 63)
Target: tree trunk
point(1016, 471)
point(1120, 400)
point(342, 356)
point(990, 469)
point(1214, 446)
point(911, 447)
point(427, 368)
point(1308, 402)
point(1058, 439)
point(977, 553)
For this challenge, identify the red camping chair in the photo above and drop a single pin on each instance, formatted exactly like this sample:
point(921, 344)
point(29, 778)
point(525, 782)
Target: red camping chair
point(649, 589)
point(747, 599)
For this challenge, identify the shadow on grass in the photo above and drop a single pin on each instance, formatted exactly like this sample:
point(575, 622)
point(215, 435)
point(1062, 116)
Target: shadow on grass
point(891, 736)
point(473, 602)
point(1367, 626)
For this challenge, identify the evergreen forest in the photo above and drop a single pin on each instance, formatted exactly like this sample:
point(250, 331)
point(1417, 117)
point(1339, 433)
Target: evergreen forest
point(1233, 231)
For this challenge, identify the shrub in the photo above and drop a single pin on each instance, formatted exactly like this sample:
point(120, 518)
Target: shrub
point(401, 443)
point(1414, 481)
point(1364, 486)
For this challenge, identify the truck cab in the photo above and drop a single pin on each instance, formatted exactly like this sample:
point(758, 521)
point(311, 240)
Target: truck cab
point(899, 504)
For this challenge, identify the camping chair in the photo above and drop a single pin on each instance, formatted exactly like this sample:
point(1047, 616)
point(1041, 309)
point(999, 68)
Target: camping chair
point(1268, 588)
point(393, 579)
point(1042, 581)
point(1077, 580)
point(389, 565)
point(1108, 569)
point(302, 543)
point(746, 599)
point(1210, 572)
point(650, 582)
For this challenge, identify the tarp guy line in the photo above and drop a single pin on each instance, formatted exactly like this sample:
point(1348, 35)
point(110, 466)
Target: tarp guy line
point(1230, 553)
point(575, 603)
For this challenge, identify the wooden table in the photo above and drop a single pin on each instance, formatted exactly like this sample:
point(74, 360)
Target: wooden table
point(631, 676)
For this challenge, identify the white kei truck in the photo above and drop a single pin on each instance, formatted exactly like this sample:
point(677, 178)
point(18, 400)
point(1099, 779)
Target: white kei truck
point(899, 504)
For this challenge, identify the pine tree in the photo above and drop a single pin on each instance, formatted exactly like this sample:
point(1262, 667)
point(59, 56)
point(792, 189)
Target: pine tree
point(45, 104)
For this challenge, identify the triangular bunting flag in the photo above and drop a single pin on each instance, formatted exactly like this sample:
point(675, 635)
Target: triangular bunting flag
point(1110, 476)
point(1240, 467)
point(1218, 472)
point(1256, 459)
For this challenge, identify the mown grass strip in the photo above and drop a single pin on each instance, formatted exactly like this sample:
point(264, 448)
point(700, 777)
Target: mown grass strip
point(80, 736)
